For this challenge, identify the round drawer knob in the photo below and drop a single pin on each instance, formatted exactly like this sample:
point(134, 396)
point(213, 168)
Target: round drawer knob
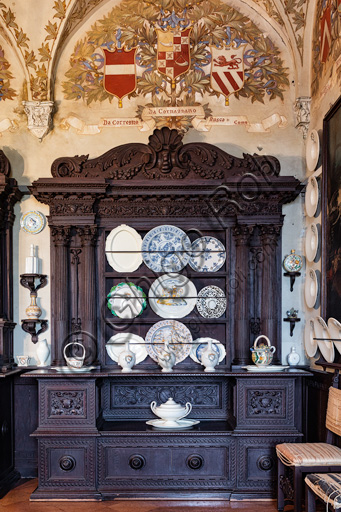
point(195, 461)
point(67, 463)
point(265, 463)
point(4, 428)
point(137, 462)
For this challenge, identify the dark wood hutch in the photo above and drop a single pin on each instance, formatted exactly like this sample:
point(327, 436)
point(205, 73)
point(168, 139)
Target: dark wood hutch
point(93, 442)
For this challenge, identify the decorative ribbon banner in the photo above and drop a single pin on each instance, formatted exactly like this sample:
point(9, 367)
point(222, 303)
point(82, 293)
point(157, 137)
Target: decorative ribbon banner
point(79, 125)
point(7, 124)
point(149, 113)
point(262, 126)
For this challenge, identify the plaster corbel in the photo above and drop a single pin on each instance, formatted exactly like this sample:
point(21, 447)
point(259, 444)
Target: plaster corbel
point(39, 117)
point(302, 112)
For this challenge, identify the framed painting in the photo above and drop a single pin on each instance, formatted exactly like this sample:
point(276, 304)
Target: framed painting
point(331, 214)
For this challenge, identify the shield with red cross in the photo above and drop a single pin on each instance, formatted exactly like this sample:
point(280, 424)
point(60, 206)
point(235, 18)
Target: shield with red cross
point(119, 72)
point(326, 31)
point(227, 72)
point(173, 52)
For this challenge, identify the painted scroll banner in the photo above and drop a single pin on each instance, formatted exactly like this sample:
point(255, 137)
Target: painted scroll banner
point(7, 124)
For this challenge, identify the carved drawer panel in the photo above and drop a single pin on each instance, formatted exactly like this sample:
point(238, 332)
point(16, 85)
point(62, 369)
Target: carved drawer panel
point(167, 463)
point(265, 404)
point(67, 404)
point(257, 462)
point(67, 463)
point(124, 399)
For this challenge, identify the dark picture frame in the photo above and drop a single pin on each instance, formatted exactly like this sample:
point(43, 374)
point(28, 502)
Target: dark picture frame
point(331, 214)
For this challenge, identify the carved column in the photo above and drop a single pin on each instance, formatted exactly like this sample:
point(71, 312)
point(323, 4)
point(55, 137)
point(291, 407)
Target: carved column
point(61, 236)
point(242, 236)
point(88, 298)
point(271, 286)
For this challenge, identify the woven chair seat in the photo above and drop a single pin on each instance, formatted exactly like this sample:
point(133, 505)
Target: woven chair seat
point(309, 454)
point(326, 486)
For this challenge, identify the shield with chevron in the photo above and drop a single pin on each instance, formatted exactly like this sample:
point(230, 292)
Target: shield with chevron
point(326, 33)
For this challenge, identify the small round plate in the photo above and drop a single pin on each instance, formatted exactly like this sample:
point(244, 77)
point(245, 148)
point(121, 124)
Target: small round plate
point(270, 368)
point(309, 334)
point(126, 300)
point(166, 249)
point(211, 302)
point(311, 196)
point(334, 328)
point(312, 150)
point(32, 222)
point(172, 296)
point(123, 249)
point(177, 335)
point(292, 262)
point(116, 344)
point(67, 369)
point(208, 254)
point(311, 242)
point(201, 343)
point(311, 288)
point(185, 423)
point(326, 347)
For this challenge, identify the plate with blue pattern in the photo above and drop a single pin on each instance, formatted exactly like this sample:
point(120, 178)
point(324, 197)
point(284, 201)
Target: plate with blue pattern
point(166, 249)
point(208, 254)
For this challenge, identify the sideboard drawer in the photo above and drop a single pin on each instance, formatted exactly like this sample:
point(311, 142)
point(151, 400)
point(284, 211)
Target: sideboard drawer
point(67, 404)
point(125, 463)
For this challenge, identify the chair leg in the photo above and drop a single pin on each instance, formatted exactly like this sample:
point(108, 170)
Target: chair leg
point(310, 502)
point(297, 490)
point(280, 492)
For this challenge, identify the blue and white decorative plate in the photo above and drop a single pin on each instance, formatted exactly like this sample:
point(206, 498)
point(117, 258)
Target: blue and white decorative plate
point(211, 302)
point(201, 343)
point(177, 335)
point(166, 249)
point(172, 296)
point(208, 254)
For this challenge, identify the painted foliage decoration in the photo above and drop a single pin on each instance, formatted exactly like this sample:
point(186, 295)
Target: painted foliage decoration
point(6, 92)
point(326, 41)
point(183, 50)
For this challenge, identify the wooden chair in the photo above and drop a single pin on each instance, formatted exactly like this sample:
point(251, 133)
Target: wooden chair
point(308, 457)
point(323, 486)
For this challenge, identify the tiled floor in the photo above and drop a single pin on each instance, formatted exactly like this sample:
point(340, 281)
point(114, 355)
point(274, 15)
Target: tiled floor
point(17, 500)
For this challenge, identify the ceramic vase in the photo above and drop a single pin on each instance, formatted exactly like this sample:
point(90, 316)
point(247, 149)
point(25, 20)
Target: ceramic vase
point(33, 311)
point(166, 359)
point(126, 359)
point(209, 357)
point(42, 352)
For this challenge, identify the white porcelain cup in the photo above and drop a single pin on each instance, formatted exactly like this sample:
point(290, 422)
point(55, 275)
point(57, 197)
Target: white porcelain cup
point(23, 360)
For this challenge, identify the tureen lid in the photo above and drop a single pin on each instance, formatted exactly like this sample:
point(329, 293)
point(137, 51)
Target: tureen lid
point(170, 404)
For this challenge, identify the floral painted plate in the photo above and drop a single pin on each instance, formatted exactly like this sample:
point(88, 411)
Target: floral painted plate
point(292, 262)
point(211, 302)
point(178, 336)
point(208, 254)
point(166, 249)
point(123, 249)
point(126, 300)
point(136, 344)
point(172, 296)
point(201, 343)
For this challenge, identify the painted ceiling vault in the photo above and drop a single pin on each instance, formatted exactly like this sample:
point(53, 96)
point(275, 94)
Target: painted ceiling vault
point(167, 53)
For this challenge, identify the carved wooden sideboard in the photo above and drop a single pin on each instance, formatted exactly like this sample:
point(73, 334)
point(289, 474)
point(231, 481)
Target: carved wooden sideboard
point(93, 440)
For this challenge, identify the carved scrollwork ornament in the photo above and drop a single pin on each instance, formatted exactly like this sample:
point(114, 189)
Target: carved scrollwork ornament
point(242, 234)
point(270, 233)
point(61, 235)
point(5, 166)
point(287, 487)
point(88, 235)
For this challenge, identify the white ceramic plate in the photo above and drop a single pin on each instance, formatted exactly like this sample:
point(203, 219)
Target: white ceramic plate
point(123, 249)
point(312, 150)
point(201, 343)
point(172, 296)
point(334, 328)
point(311, 288)
point(326, 347)
point(311, 242)
point(177, 335)
point(67, 369)
point(181, 424)
point(311, 196)
point(166, 249)
point(211, 302)
point(116, 344)
point(32, 222)
point(270, 368)
point(309, 334)
point(126, 300)
point(208, 254)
